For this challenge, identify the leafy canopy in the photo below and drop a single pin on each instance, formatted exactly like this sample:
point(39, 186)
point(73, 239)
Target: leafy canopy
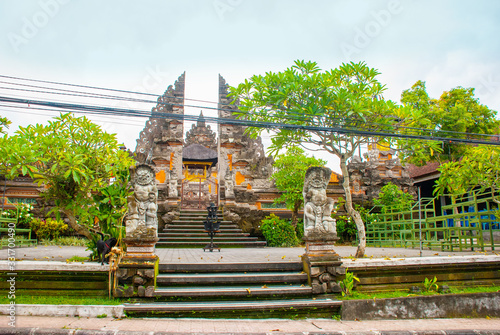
point(391, 196)
point(321, 109)
point(478, 168)
point(4, 122)
point(456, 112)
point(71, 156)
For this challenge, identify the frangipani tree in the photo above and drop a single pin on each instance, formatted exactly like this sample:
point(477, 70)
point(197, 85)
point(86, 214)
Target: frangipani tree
point(71, 157)
point(478, 168)
point(4, 122)
point(335, 110)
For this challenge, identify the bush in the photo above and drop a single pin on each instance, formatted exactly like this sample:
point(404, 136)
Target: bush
point(23, 214)
point(278, 232)
point(392, 197)
point(48, 229)
point(346, 229)
point(66, 241)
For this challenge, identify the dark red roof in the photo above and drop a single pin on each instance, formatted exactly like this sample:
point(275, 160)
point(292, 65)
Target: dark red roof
point(419, 171)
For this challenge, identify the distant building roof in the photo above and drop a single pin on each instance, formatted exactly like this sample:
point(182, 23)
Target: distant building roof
point(423, 173)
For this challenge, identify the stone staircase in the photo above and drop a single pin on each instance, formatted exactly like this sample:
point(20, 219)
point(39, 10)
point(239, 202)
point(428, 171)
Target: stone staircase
point(234, 290)
point(188, 232)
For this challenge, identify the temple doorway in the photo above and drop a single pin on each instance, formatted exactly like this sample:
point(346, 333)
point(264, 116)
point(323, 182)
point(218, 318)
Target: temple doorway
point(199, 183)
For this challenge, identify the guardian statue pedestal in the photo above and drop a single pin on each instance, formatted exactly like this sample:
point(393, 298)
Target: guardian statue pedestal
point(137, 268)
point(321, 263)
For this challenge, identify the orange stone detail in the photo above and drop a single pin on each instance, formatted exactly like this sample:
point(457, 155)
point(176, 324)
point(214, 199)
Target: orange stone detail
point(239, 178)
point(161, 176)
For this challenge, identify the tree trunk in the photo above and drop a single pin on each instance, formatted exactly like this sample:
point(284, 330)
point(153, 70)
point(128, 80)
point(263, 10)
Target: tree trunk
point(295, 214)
point(351, 211)
point(82, 230)
point(294, 218)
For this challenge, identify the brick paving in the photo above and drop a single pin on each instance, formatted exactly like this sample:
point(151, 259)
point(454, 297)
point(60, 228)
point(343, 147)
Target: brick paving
point(266, 326)
point(230, 255)
point(67, 325)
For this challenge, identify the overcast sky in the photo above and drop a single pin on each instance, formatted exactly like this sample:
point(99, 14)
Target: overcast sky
point(145, 45)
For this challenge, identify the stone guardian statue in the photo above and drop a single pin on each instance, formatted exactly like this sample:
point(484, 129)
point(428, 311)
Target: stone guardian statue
point(318, 207)
point(141, 219)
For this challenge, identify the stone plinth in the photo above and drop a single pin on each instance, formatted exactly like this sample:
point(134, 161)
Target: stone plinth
point(322, 264)
point(136, 275)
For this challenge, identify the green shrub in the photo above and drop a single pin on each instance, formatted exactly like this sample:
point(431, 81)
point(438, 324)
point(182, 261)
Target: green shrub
point(346, 229)
point(23, 214)
point(391, 197)
point(48, 228)
point(278, 232)
point(66, 241)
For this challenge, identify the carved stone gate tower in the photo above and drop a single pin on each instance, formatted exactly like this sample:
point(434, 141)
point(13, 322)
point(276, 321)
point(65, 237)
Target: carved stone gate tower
point(230, 169)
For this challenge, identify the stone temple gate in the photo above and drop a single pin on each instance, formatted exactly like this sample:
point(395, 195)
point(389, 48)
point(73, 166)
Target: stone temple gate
point(229, 169)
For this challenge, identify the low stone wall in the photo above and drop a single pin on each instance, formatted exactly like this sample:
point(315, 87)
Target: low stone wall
point(44, 278)
point(438, 306)
point(380, 275)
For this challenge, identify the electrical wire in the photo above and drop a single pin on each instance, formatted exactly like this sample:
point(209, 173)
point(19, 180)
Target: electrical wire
point(292, 116)
point(259, 124)
point(349, 125)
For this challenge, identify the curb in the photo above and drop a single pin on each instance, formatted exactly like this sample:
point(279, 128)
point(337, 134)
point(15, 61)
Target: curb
point(91, 311)
point(46, 331)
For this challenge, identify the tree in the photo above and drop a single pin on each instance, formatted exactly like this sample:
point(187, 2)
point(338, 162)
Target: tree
point(289, 177)
point(478, 168)
point(308, 104)
point(71, 157)
point(392, 196)
point(456, 112)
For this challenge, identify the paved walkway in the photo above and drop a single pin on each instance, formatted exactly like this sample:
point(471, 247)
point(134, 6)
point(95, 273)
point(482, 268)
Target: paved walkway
point(64, 325)
point(230, 255)
point(68, 325)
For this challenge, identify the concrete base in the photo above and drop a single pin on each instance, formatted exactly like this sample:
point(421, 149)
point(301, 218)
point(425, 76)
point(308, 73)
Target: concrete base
point(322, 264)
point(473, 305)
point(137, 271)
point(136, 277)
point(82, 311)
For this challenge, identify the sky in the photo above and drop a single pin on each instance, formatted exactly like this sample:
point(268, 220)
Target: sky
point(144, 46)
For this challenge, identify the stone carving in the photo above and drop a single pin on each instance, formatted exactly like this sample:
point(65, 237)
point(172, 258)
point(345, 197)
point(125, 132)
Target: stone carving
point(158, 128)
point(141, 220)
point(380, 168)
point(229, 184)
point(172, 185)
point(318, 207)
point(201, 134)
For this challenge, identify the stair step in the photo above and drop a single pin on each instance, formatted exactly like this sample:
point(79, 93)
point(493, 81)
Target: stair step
point(232, 291)
point(179, 226)
point(201, 231)
point(230, 267)
point(196, 218)
point(232, 278)
point(184, 211)
point(206, 238)
point(250, 244)
point(234, 305)
point(181, 234)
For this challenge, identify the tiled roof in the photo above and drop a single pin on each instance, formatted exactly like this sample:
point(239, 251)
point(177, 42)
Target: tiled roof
point(419, 171)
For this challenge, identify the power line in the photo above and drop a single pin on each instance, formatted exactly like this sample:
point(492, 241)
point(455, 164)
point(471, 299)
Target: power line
point(100, 88)
point(295, 116)
point(259, 124)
